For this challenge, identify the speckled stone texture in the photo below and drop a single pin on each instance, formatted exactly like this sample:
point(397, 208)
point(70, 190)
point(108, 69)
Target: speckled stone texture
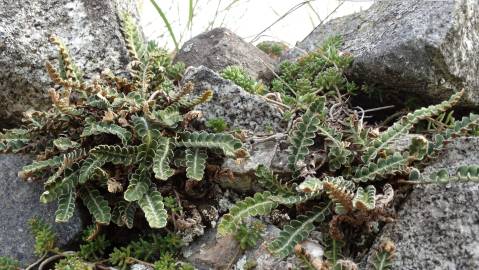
point(239, 108)
point(219, 48)
point(90, 29)
point(19, 202)
point(423, 48)
point(438, 225)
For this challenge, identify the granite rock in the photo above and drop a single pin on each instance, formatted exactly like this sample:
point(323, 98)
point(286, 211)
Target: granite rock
point(438, 225)
point(89, 28)
point(237, 107)
point(20, 202)
point(219, 48)
point(426, 49)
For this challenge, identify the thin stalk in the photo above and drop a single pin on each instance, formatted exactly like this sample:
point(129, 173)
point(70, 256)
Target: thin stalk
point(167, 23)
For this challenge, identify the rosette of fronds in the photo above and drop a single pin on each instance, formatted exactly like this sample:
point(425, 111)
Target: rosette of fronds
point(113, 141)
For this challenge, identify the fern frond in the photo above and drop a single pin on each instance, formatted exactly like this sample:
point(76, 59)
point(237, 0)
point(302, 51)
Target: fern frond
point(68, 68)
point(133, 39)
point(169, 117)
point(419, 148)
point(260, 204)
point(340, 191)
point(190, 104)
point(95, 128)
point(459, 128)
point(365, 199)
point(64, 144)
point(14, 139)
point(62, 104)
point(115, 154)
point(66, 206)
point(269, 181)
point(195, 163)
point(97, 205)
point(37, 166)
point(88, 168)
point(124, 214)
point(161, 160)
point(466, 173)
point(139, 184)
point(296, 231)
point(311, 185)
point(154, 209)
point(383, 167)
point(384, 256)
point(304, 133)
point(290, 200)
point(225, 142)
point(55, 190)
point(403, 126)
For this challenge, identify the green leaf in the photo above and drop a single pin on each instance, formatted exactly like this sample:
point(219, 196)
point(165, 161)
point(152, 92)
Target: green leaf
point(267, 180)
point(365, 199)
point(403, 126)
point(382, 168)
point(311, 185)
point(260, 204)
point(115, 154)
point(124, 214)
point(139, 185)
point(65, 143)
point(224, 142)
point(340, 191)
point(55, 190)
point(161, 160)
point(97, 205)
point(66, 206)
point(154, 209)
point(37, 166)
point(88, 168)
point(195, 163)
point(169, 117)
point(95, 128)
point(304, 133)
point(296, 231)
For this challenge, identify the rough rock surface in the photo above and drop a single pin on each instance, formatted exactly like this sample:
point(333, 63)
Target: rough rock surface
point(19, 202)
point(425, 48)
point(438, 225)
point(237, 107)
point(264, 259)
point(219, 48)
point(208, 252)
point(90, 29)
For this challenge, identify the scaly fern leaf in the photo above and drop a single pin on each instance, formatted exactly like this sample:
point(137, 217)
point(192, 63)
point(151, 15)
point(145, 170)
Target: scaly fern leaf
point(311, 185)
point(14, 139)
point(225, 142)
point(195, 163)
point(260, 204)
point(403, 126)
point(133, 39)
point(115, 154)
point(163, 153)
point(37, 166)
point(340, 191)
point(269, 181)
point(95, 128)
point(154, 209)
point(365, 199)
point(139, 184)
point(304, 133)
point(466, 173)
point(66, 206)
point(88, 168)
point(384, 256)
point(383, 167)
point(64, 144)
point(97, 205)
point(55, 190)
point(124, 214)
point(296, 231)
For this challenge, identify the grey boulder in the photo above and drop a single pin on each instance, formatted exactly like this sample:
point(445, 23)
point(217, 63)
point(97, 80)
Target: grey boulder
point(426, 49)
point(90, 30)
point(19, 202)
point(219, 48)
point(438, 225)
point(237, 107)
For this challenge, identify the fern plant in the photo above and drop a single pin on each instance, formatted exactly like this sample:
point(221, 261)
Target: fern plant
point(113, 141)
point(354, 158)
